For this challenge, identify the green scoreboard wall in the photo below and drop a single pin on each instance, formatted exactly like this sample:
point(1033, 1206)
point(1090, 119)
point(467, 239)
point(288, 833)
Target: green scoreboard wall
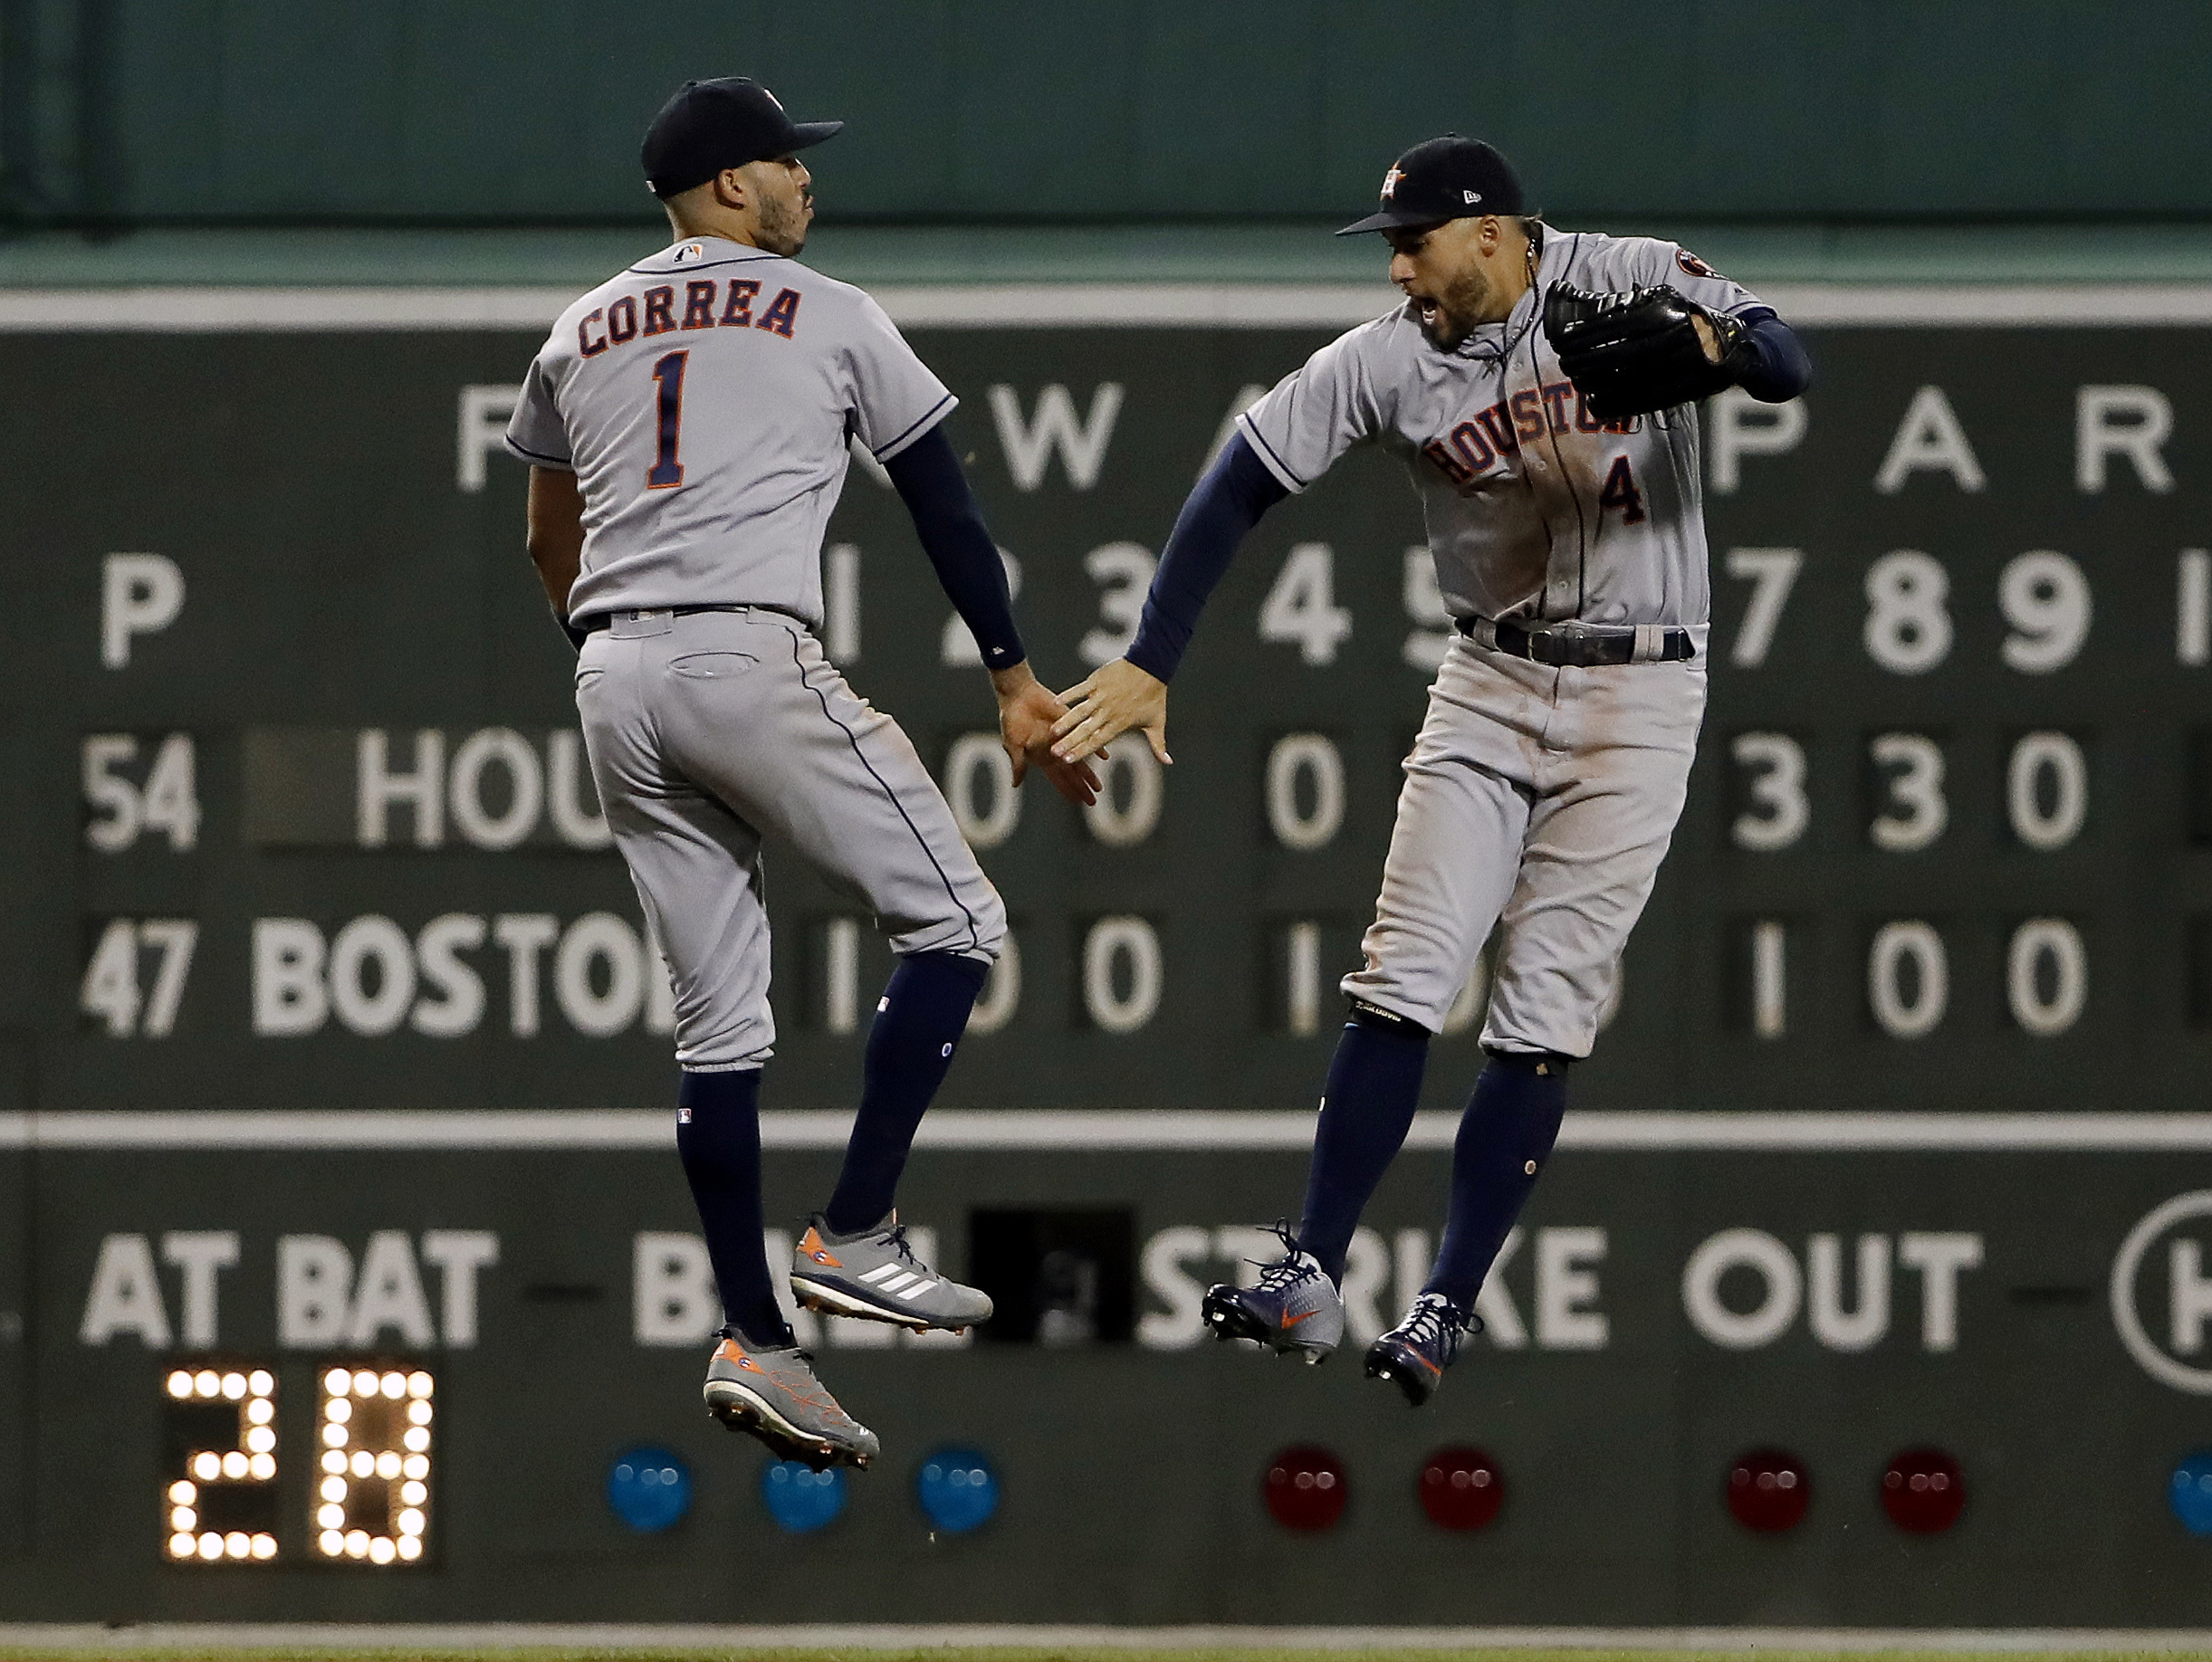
point(311, 934)
point(277, 665)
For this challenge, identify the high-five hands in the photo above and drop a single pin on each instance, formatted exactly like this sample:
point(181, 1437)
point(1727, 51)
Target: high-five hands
point(1026, 714)
point(1114, 699)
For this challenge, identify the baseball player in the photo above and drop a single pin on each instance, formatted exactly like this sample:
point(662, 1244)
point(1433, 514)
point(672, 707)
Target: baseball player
point(1539, 387)
point(688, 426)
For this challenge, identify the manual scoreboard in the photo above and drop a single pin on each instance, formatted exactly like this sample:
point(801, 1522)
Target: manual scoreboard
point(303, 814)
point(299, 822)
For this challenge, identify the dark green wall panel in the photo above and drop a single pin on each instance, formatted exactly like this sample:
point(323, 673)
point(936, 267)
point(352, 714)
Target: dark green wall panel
point(436, 110)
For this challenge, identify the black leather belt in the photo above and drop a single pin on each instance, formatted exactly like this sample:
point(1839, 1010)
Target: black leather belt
point(599, 620)
point(1583, 645)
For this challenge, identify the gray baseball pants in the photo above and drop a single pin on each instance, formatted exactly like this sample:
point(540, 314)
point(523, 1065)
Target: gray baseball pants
point(706, 732)
point(1542, 798)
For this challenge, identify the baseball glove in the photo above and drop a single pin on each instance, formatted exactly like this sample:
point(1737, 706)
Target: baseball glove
point(1631, 354)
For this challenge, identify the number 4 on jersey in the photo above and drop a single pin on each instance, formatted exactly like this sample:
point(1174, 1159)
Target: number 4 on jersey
point(1620, 492)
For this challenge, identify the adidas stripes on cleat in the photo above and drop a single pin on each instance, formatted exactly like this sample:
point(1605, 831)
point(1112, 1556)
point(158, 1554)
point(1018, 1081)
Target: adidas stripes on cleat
point(1294, 1308)
point(773, 1394)
point(1413, 1355)
point(874, 1276)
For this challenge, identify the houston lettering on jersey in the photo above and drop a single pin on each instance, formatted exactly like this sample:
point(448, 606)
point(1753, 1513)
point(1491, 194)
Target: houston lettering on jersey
point(709, 303)
point(1493, 435)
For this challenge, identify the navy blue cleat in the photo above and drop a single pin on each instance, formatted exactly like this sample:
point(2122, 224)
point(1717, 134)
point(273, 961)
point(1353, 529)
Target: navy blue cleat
point(1295, 1309)
point(1413, 1355)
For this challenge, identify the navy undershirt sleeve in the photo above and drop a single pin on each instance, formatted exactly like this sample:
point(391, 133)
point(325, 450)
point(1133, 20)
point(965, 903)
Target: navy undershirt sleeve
point(1781, 370)
point(950, 523)
point(1222, 508)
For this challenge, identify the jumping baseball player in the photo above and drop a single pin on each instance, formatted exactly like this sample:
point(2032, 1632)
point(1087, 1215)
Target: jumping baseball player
point(688, 426)
point(1540, 386)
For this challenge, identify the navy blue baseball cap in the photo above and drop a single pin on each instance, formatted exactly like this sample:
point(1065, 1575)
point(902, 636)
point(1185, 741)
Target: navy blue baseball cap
point(1450, 178)
point(710, 125)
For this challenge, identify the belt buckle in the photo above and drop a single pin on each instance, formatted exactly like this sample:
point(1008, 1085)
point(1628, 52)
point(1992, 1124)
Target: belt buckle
point(1566, 646)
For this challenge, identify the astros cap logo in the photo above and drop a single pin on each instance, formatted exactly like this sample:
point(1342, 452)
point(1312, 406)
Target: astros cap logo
point(1390, 183)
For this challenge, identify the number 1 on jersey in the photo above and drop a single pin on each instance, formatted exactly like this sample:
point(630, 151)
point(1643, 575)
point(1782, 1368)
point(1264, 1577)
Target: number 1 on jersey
point(666, 470)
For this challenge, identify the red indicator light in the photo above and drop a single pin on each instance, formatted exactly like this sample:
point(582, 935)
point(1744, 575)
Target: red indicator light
point(1923, 1491)
point(1461, 1488)
point(1769, 1490)
point(1305, 1488)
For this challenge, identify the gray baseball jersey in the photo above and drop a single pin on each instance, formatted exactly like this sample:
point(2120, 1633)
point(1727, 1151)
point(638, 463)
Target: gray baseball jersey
point(705, 399)
point(1535, 509)
point(1538, 802)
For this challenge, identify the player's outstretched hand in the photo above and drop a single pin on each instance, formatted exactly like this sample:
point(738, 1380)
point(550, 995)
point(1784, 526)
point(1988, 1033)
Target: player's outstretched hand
point(1114, 699)
point(1027, 711)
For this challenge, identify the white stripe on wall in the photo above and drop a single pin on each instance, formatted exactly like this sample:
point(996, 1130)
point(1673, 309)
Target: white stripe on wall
point(1137, 1130)
point(725, 1641)
point(1078, 305)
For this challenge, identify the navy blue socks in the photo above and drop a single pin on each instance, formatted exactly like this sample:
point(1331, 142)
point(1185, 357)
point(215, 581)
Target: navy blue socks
point(1374, 1087)
point(917, 1027)
point(1505, 1137)
point(718, 1135)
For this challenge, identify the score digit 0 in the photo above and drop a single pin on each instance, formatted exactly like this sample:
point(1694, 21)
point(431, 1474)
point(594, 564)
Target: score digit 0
point(219, 1490)
point(373, 1502)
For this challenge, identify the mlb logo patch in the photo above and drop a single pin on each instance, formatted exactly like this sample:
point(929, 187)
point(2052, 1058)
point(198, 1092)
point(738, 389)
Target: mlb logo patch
point(682, 1116)
point(690, 252)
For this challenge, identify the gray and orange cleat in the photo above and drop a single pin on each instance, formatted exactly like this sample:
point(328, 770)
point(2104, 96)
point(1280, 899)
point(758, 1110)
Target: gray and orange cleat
point(875, 1275)
point(1413, 1355)
point(771, 1393)
point(1294, 1308)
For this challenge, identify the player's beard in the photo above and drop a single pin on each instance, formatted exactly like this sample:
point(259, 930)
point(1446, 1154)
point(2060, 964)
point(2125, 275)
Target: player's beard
point(784, 224)
point(1458, 309)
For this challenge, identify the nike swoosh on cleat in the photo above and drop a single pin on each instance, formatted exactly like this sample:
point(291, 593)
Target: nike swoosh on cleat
point(1292, 1321)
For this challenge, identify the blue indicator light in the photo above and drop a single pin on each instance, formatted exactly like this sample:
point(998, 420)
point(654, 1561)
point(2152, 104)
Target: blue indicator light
point(2190, 1493)
point(957, 1489)
point(649, 1489)
point(799, 1498)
